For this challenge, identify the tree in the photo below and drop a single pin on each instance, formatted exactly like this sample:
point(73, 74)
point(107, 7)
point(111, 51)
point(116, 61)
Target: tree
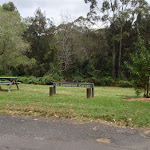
point(116, 13)
point(75, 45)
point(9, 7)
point(65, 41)
point(12, 45)
point(40, 35)
point(140, 67)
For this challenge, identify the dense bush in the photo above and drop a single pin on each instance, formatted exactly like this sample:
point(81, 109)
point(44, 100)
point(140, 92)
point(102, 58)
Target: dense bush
point(23, 79)
point(122, 83)
point(103, 81)
point(46, 80)
point(33, 80)
point(78, 79)
point(106, 81)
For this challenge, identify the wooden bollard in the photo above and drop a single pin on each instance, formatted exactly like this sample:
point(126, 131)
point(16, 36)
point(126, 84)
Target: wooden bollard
point(88, 92)
point(54, 89)
point(51, 91)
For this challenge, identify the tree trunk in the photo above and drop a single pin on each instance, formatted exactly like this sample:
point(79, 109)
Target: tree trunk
point(147, 91)
point(113, 61)
point(120, 52)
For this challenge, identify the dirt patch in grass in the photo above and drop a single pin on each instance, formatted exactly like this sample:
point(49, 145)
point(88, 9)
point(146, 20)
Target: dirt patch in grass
point(137, 99)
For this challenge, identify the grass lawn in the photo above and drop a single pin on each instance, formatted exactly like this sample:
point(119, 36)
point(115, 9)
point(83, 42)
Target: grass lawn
point(72, 103)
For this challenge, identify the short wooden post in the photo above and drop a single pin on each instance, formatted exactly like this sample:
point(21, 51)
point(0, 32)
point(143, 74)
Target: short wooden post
point(54, 89)
point(51, 91)
point(88, 92)
point(93, 92)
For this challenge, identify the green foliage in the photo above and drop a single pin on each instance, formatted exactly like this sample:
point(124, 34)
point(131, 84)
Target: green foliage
point(77, 79)
point(73, 50)
point(9, 6)
point(140, 67)
point(101, 81)
point(12, 45)
point(47, 80)
point(122, 83)
point(40, 35)
point(106, 81)
point(23, 79)
point(33, 80)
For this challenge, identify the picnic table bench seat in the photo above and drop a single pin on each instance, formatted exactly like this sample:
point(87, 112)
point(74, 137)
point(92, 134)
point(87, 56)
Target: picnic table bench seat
point(8, 82)
point(5, 83)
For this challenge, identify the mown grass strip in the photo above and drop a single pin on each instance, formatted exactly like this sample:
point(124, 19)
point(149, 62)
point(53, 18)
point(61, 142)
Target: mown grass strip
point(72, 103)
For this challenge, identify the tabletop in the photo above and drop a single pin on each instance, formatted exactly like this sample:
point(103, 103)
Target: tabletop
point(14, 78)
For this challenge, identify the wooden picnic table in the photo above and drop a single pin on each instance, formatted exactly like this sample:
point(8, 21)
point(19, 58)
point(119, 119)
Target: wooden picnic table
point(9, 81)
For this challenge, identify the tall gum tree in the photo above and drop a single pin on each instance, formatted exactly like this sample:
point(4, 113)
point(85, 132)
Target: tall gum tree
point(115, 12)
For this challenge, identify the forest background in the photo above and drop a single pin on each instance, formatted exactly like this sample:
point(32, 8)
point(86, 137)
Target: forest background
point(74, 51)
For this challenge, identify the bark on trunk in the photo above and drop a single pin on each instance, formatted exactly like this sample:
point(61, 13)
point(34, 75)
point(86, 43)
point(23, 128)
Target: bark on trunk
point(113, 61)
point(120, 53)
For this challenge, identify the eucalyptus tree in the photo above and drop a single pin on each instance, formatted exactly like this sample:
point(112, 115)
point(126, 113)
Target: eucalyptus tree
point(116, 13)
point(142, 14)
point(12, 45)
point(73, 40)
point(93, 48)
point(65, 44)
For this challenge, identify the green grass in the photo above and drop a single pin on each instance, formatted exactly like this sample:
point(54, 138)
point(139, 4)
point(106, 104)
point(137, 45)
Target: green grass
point(72, 103)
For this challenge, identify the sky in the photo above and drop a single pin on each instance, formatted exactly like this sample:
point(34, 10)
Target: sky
point(53, 8)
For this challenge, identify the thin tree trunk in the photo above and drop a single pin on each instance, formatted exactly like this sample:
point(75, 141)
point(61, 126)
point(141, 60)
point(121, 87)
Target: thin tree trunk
point(113, 61)
point(147, 91)
point(120, 53)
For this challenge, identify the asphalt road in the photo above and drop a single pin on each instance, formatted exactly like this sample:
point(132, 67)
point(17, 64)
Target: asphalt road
point(32, 133)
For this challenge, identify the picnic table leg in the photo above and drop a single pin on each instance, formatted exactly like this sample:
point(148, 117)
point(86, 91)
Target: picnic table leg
point(17, 86)
point(10, 87)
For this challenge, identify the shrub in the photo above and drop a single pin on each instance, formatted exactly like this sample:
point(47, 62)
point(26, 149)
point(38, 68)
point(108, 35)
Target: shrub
point(23, 79)
point(78, 79)
point(106, 81)
point(57, 77)
point(88, 80)
point(122, 83)
point(46, 80)
point(33, 80)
